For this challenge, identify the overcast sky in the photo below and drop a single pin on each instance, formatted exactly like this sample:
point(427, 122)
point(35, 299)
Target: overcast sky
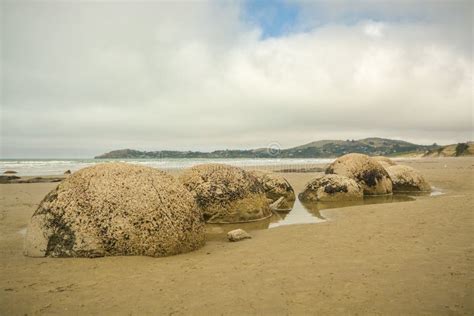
point(82, 78)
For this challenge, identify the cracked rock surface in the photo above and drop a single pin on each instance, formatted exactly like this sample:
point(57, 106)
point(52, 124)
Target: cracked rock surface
point(407, 179)
point(275, 187)
point(371, 175)
point(116, 209)
point(226, 194)
point(331, 187)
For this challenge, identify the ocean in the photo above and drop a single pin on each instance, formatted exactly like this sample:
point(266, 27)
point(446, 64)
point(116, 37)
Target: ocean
point(41, 167)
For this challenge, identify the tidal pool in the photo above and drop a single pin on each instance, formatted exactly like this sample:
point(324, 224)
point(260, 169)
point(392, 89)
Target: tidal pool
point(305, 213)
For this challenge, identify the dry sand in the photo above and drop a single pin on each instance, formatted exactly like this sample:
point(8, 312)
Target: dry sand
point(400, 258)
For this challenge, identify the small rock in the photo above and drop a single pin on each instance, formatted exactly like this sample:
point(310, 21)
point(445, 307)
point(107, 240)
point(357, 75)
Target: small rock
point(67, 172)
point(237, 235)
point(10, 172)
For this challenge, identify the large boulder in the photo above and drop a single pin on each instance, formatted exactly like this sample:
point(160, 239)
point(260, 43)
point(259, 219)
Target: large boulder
point(407, 179)
point(116, 209)
point(384, 161)
point(276, 187)
point(226, 194)
point(370, 174)
point(331, 187)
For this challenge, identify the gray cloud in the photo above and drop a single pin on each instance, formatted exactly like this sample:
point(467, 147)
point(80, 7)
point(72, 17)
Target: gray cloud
point(82, 78)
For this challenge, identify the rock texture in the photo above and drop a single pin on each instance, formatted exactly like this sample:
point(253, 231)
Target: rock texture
point(237, 235)
point(407, 179)
point(276, 187)
point(116, 209)
point(331, 187)
point(226, 194)
point(384, 161)
point(370, 174)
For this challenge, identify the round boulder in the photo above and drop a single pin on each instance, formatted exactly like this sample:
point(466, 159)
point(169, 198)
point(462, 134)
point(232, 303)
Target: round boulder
point(407, 179)
point(371, 176)
point(331, 187)
point(226, 194)
point(384, 161)
point(116, 209)
point(276, 187)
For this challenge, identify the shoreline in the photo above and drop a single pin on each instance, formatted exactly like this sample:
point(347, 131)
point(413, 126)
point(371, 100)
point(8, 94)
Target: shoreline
point(170, 165)
point(414, 257)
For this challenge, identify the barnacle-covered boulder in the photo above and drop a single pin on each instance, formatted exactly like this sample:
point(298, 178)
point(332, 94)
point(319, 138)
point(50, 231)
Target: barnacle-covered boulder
point(276, 187)
point(371, 176)
point(116, 209)
point(226, 194)
point(384, 161)
point(331, 187)
point(407, 179)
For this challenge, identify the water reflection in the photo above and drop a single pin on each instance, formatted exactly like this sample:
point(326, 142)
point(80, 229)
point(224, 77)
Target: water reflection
point(302, 213)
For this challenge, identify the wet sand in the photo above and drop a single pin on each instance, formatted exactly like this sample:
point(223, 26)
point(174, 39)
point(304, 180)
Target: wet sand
point(407, 258)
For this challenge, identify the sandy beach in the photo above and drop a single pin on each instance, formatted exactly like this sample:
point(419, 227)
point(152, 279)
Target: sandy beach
point(407, 258)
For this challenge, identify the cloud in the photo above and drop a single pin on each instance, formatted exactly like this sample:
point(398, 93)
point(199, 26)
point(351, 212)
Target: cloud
point(83, 78)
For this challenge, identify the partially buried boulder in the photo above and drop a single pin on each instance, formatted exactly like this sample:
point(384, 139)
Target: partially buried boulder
point(226, 194)
point(407, 179)
point(331, 187)
point(116, 209)
point(370, 174)
point(276, 187)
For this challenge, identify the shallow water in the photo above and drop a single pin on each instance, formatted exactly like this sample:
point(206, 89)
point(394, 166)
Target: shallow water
point(22, 231)
point(303, 213)
point(41, 167)
point(436, 191)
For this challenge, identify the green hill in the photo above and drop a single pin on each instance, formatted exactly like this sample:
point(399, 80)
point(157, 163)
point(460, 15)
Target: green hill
point(319, 149)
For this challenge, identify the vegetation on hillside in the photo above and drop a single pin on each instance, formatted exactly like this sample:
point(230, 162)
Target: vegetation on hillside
point(454, 150)
point(319, 149)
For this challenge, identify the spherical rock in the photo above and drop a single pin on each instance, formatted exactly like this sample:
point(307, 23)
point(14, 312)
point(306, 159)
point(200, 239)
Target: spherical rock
point(407, 179)
point(116, 209)
point(331, 187)
point(384, 161)
point(226, 194)
point(371, 176)
point(275, 187)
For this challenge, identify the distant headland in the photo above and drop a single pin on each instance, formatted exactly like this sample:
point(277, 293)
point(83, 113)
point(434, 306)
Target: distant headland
point(373, 146)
